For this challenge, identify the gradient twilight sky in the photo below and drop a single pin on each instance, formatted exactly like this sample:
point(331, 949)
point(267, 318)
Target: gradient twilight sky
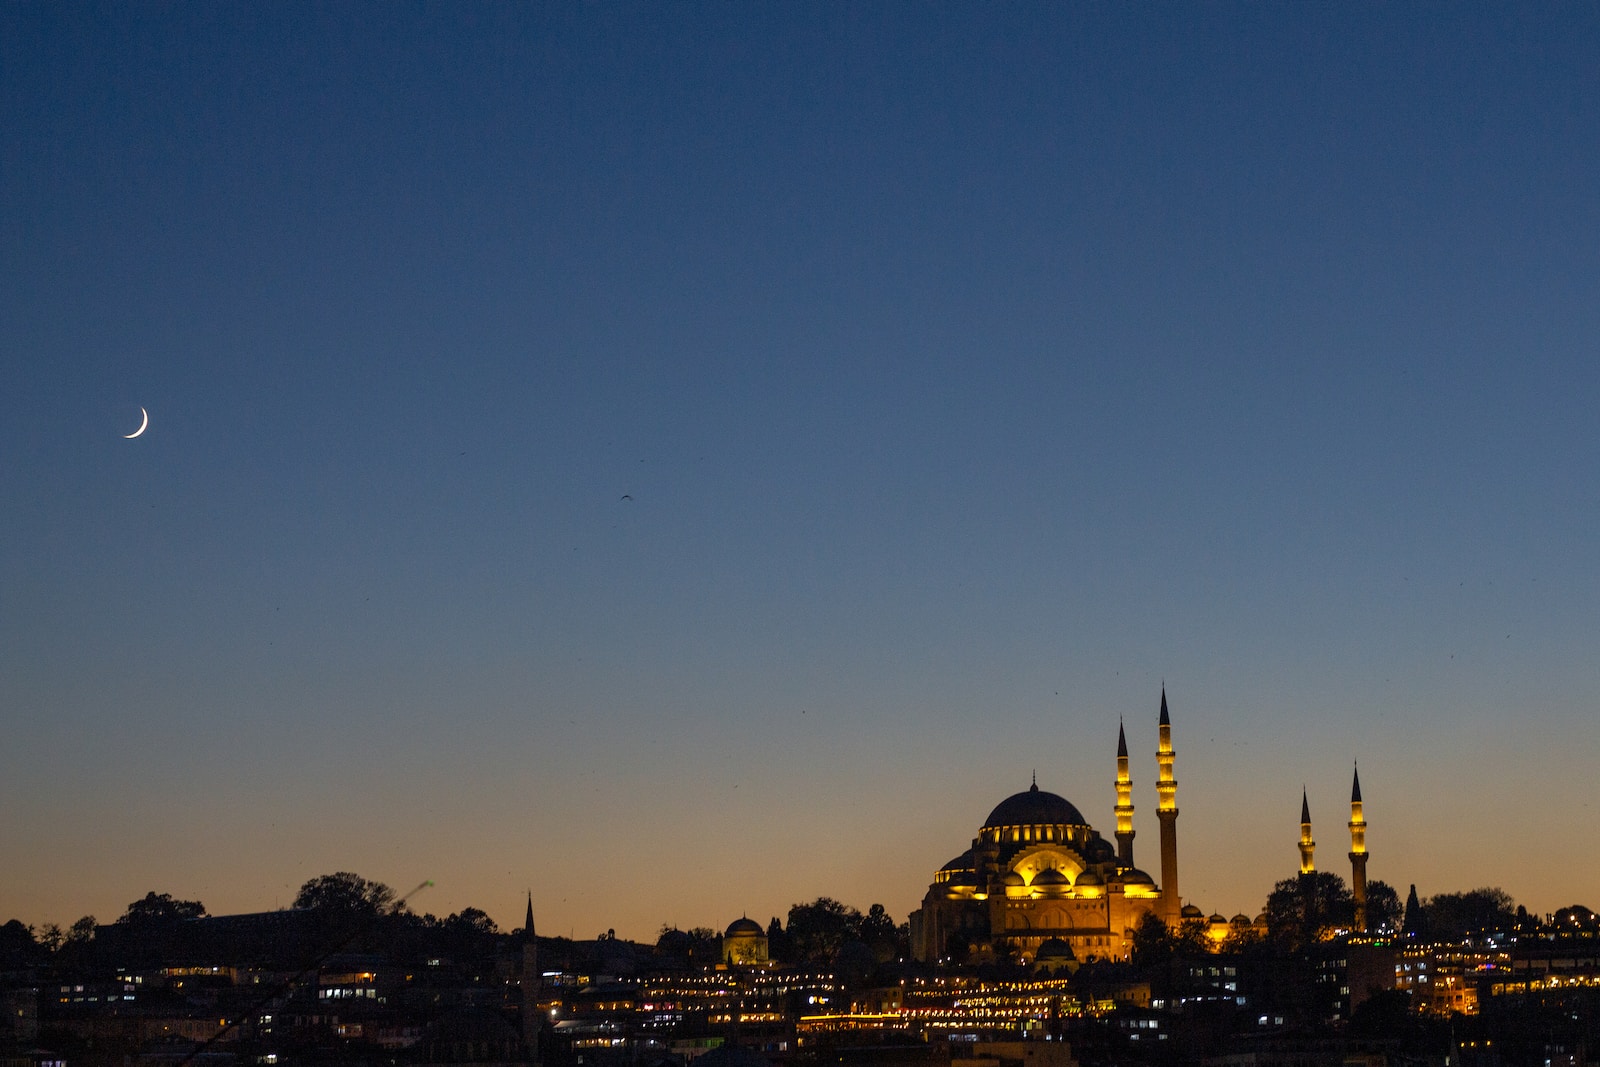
point(971, 369)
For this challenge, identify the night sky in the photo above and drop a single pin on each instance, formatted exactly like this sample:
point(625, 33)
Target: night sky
point(683, 460)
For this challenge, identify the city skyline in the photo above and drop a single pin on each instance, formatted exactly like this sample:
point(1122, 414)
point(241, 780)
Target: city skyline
point(687, 461)
point(1333, 850)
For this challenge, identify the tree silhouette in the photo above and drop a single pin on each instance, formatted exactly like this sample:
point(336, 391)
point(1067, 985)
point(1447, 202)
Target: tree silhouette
point(1383, 906)
point(471, 921)
point(777, 940)
point(1309, 908)
point(160, 908)
point(1415, 923)
point(881, 934)
point(817, 931)
point(1155, 944)
point(17, 944)
point(345, 893)
point(1453, 916)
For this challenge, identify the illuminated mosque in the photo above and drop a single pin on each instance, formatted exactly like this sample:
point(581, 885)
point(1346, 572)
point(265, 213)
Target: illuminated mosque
point(1040, 884)
point(1038, 873)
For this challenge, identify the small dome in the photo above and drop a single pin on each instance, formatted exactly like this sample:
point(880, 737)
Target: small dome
point(1035, 807)
point(745, 927)
point(1049, 877)
point(1191, 912)
point(1054, 949)
point(1012, 878)
point(963, 862)
point(1134, 876)
point(1241, 919)
point(1218, 919)
point(1088, 878)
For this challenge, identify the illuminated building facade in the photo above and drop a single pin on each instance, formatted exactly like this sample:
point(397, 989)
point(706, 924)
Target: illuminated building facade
point(745, 943)
point(1038, 872)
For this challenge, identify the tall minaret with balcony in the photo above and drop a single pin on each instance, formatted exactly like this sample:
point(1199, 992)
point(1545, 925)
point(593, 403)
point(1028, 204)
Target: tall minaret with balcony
point(1358, 854)
point(1308, 865)
point(1124, 807)
point(1167, 815)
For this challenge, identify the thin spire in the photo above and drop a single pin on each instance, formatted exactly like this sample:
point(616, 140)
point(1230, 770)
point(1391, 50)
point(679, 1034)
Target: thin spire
point(1164, 720)
point(1305, 806)
point(1124, 808)
point(527, 926)
point(1355, 788)
point(1035, 786)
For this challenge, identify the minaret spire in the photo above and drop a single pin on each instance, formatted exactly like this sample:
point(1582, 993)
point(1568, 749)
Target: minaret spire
point(1307, 846)
point(1358, 854)
point(1167, 816)
point(1124, 807)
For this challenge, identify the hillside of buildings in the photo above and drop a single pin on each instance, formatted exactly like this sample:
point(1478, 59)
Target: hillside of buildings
point(348, 976)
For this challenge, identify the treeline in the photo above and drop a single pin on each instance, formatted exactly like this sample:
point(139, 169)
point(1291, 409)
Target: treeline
point(348, 913)
point(1315, 906)
point(1304, 910)
point(332, 912)
point(823, 932)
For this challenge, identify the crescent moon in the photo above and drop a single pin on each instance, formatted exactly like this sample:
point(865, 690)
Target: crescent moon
point(142, 426)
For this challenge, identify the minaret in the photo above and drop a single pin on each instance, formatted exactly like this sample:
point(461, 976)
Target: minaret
point(1124, 803)
point(1308, 867)
point(1358, 854)
point(1307, 846)
point(532, 983)
point(1167, 814)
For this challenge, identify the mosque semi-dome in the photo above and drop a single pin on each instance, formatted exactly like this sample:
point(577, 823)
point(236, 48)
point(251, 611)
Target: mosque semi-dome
point(1033, 808)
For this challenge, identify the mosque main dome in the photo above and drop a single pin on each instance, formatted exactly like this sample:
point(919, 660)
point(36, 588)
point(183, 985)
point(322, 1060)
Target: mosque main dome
point(1032, 808)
